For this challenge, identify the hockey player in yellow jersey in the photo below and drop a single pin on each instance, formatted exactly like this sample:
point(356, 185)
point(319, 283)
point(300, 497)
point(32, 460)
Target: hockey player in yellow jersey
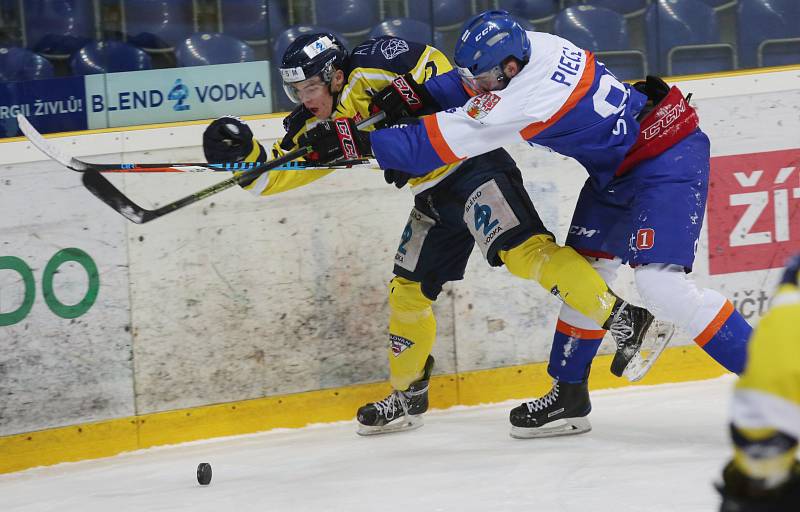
point(480, 200)
point(764, 475)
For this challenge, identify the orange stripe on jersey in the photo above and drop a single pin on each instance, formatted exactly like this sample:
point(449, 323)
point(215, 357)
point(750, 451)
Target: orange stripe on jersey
point(584, 84)
point(714, 325)
point(577, 332)
point(437, 140)
point(469, 91)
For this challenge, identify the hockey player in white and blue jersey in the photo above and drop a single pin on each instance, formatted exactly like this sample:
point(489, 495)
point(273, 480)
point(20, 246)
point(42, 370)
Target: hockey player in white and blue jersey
point(644, 200)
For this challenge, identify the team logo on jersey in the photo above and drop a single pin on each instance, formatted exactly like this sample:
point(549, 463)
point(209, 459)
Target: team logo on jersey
point(399, 344)
point(645, 238)
point(391, 48)
point(480, 106)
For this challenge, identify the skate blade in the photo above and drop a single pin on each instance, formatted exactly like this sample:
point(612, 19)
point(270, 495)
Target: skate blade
point(651, 349)
point(562, 427)
point(400, 425)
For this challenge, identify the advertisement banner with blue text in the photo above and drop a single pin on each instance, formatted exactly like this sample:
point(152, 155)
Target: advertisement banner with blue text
point(181, 94)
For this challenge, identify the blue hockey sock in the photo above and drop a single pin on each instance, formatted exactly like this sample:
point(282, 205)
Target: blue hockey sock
point(572, 352)
point(725, 338)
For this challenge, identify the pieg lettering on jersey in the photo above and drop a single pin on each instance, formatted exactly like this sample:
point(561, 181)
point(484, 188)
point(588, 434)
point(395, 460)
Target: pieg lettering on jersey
point(568, 66)
point(479, 107)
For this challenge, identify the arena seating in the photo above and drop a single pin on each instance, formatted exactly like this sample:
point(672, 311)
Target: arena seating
point(683, 38)
point(58, 28)
point(18, 64)
point(602, 31)
point(109, 57)
point(407, 28)
point(212, 48)
point(769, 32)
point(353, 18)
point(155, 25)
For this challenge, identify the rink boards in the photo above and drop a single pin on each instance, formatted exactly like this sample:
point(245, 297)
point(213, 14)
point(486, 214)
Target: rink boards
point(116, 336)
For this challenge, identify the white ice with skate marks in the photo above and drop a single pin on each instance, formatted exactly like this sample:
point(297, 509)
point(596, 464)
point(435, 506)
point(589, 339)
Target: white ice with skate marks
point(654, 449)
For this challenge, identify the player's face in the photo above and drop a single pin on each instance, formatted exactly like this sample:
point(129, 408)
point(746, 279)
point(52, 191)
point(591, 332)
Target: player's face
point(492, 80)
point(314, 94)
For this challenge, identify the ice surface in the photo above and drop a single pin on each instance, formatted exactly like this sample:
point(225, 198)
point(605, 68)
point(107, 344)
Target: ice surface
point(653, 449)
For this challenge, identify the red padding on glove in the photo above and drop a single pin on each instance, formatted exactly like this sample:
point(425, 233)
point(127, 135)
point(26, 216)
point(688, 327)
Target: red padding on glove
point(672, 120)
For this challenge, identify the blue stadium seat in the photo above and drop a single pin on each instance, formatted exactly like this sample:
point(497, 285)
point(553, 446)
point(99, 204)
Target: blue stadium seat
point(447, 14)
point(603, 32)
point(683, 38)
point(536, 11)
point(252, 21)
point(350, 17)
point(769, 32)
point(158, 24)
point(109, 57)
point(58, 28)
point(18, 64)
point(628, 8)
point(209, 48)
point(282, 42)
point(406, 28)
point(720, 5)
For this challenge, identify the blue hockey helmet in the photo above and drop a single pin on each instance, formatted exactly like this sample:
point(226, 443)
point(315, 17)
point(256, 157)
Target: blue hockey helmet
point(311, 55)
point(487, 40)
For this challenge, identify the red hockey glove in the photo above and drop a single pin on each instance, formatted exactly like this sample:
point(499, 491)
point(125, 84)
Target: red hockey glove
point(332, 140)
point(402, 98)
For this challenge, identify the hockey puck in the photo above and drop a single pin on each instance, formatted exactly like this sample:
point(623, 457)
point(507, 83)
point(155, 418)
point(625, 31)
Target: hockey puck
point(204, 473)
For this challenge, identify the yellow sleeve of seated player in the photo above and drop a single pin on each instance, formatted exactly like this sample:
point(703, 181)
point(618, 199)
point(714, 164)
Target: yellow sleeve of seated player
point(766, 402)
point(277, 181)
point(773, 361)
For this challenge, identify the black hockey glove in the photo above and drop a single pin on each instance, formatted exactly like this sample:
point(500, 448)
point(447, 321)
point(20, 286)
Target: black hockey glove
point(655, 89)
point(398, 178)
point(792, 273)
point(741, 493)
point(393, 176)
point(402, 98)
point(332, 140)
point(227, 139)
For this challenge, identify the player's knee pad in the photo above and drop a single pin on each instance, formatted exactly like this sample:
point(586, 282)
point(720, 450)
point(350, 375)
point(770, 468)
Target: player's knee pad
point(607, 268)
point(671, 295)
point(407, 301)
point(529, 259)
point(563, 272)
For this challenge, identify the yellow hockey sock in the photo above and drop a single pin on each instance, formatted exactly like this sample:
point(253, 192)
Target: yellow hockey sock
point(564, 273)
point(412, 332)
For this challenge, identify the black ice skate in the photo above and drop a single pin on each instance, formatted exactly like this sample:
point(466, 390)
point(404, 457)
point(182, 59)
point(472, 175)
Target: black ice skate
point(561, 412)
point(401, 410)
point(628, 324)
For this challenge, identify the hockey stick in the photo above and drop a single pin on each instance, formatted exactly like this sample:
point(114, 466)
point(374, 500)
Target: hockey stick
point(75, 164)
point(119, 202)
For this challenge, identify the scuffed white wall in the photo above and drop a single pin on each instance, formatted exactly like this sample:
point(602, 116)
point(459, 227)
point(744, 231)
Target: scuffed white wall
point(239, 297)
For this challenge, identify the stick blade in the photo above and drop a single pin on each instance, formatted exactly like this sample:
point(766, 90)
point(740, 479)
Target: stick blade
point(46, 147)
point(104, 190)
